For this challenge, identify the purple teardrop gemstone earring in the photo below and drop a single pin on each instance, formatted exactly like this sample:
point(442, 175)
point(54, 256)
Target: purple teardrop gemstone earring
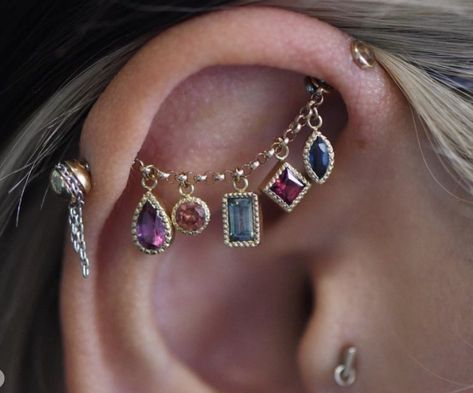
point(150, 228)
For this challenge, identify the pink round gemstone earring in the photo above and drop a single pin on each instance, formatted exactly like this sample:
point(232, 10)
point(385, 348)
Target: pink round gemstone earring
point(190, 214)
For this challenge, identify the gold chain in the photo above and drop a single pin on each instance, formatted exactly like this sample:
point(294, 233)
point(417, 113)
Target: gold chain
point(308, 115)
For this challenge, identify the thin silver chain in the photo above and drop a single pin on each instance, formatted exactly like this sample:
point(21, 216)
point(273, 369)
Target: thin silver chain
point(75, 218)
point(307, 116)
point(77, 235)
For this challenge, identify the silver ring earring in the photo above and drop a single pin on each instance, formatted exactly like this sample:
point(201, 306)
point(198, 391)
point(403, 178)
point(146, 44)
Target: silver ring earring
point(345, 373)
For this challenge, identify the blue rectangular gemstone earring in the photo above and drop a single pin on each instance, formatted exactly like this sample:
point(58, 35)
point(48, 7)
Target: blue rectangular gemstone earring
point(318, 155)
point(241, 216)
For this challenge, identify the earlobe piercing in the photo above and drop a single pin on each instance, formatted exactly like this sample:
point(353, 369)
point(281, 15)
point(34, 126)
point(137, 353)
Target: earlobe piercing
point(345, 373)
point(71, 179)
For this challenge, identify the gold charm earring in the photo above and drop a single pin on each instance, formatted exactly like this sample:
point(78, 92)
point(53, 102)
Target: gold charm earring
point(286, 185)
point(151, 227)
point(190, 215)
point(319, 157)
point(241, 216)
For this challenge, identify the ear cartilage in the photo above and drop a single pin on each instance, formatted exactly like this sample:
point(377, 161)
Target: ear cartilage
point(153, 229)
point(362, 54)
point(71, 179)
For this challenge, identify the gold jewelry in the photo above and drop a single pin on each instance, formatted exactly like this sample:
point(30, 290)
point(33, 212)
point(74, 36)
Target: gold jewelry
point(318, 155)
point(152, 231)
point(190, 215)
point(241, 216)
point(362, 54)
point(287, 186)
point(151, 227)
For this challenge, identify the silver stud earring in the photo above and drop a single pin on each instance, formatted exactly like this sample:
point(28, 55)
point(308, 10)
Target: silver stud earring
point(345, 373)
point(71, 180)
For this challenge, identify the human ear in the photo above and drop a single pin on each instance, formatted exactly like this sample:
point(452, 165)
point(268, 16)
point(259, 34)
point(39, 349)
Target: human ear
point(203, 317)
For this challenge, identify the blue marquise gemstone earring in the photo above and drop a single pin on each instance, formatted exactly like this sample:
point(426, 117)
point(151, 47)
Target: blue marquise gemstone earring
point(318, 155)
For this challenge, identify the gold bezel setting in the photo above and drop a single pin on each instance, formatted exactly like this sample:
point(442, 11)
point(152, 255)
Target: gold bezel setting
point(256, 220)
point(198, 201)
point(275, 197)
point(306, 157)
point(149, 197)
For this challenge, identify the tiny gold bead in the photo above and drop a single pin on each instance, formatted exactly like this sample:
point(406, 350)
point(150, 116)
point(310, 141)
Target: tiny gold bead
point(362, 54)
point(219, 177)
point(81, 172)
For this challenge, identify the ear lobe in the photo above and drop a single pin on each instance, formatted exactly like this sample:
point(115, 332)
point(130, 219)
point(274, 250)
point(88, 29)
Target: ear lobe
point(112, 320)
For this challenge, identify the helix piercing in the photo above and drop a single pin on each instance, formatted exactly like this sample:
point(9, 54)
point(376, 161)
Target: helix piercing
point(71, 180)
point(345, 373)
point(362, 54)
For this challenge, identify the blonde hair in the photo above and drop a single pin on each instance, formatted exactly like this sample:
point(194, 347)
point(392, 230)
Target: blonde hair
point(426, 47)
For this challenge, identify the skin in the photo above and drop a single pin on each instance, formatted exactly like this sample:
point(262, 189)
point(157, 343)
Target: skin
point(379, 256)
